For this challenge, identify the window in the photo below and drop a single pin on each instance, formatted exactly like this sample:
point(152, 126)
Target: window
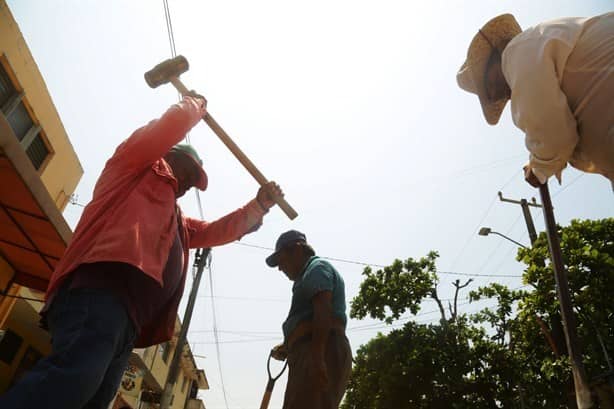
point(22, 121)
point(7, 90)
point(37, 151)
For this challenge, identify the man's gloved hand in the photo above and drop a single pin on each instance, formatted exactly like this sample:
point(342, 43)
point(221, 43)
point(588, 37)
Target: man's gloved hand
point(202, 100)
point(530, 177)
point(279, 352)
point(267, 194)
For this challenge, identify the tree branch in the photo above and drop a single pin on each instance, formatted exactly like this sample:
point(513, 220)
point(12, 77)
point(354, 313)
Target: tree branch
point(435, 297)
point(458, 287)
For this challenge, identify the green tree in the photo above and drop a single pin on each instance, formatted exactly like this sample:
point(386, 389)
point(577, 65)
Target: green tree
point(510, 355)
point(416, 366)
point(588, 253)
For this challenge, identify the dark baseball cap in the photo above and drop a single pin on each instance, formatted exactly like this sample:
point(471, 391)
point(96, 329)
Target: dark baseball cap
point(289, 237)
point(190, 152)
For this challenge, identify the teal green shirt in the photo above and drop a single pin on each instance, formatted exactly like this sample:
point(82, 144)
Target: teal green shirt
point(318, 275)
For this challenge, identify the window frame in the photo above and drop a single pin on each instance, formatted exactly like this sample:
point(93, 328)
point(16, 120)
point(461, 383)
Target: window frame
point(12, 103)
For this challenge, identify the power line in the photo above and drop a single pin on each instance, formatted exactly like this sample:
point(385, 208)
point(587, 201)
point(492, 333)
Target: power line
point(383, 266)
point(569, 184)
point(474, 231)
point(237, 341)
point(171, 38)
point(221, 297)
point(362, 263)
point(499, 244)
point(169, 28)
point(366, 327)
point(215, 331)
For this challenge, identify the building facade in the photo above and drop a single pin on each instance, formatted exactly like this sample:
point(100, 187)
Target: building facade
point(145, 378)
point(39, 171)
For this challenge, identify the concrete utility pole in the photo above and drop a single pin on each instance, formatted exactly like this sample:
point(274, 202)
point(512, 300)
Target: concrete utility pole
point(581, 384)
point(526, 212)
point(200, 259)
point(582, 388)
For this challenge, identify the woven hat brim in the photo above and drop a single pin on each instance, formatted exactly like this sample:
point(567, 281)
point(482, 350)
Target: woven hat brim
point(470, 77)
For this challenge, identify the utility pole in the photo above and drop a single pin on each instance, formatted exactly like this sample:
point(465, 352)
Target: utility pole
point(526, 212)
point(200, 259)
point(581, 384)
point(582, 389)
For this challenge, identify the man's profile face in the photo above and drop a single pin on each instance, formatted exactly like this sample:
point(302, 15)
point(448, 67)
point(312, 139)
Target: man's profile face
point(494, 80)
point(185, 171)
point(288, 260)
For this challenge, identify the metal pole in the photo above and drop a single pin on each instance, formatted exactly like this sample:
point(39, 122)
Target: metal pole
point(199, 262)
point(582, 389)
point(529, 220)
point(512, 240)
point(526, 213)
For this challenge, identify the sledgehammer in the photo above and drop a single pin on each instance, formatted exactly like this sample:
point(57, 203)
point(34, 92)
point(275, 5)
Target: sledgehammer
point(169, 71)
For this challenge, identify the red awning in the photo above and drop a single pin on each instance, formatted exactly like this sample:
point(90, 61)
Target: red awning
point(33, 232)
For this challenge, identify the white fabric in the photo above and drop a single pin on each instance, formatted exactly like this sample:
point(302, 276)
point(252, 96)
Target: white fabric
point(534, 64)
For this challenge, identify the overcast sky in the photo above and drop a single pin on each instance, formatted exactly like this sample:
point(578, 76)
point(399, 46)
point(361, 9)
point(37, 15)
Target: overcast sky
point(351, 106)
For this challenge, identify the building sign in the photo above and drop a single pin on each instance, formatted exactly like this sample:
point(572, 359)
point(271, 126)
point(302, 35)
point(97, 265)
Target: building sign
point(131, 381)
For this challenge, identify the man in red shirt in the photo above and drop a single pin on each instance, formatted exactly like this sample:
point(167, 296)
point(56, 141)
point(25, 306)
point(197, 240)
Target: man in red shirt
point(119, 282)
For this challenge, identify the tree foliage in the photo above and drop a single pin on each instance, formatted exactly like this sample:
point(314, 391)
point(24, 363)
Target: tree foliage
point(511, 354)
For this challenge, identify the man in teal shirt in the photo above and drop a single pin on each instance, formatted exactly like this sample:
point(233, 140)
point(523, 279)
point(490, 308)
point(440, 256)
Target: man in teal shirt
point(315, 345)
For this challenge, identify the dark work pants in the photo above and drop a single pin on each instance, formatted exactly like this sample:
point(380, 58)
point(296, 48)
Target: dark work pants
point(301, 392)
point(92, 338)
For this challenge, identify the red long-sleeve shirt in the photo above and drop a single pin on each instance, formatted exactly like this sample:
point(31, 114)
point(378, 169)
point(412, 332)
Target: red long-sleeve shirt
point(132, 219)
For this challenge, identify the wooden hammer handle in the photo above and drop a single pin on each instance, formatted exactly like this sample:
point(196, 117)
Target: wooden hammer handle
point(248, 164)
point(251, 168)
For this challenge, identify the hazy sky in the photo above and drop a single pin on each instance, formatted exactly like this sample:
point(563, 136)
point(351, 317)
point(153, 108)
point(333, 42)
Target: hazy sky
point(351, 106)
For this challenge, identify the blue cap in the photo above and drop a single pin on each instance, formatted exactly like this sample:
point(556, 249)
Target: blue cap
point(289, 237)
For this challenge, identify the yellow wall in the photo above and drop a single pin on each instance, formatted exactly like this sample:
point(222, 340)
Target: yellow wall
point(23, 320)
point(180, 397)
point(60, 175)
point(63, 171)
point(154, 366)
point(159, 369)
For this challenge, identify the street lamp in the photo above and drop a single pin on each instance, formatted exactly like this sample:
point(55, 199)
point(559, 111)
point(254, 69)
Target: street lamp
point(485, 231)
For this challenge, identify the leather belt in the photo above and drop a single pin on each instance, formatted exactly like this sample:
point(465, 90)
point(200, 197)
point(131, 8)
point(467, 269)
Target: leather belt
point(305, 328)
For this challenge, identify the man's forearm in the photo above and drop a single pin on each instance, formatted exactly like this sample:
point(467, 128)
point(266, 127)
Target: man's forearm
point(321, 329)
point(322, 323)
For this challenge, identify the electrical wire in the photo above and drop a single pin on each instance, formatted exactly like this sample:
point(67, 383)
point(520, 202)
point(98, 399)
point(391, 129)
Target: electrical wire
point(171, 38)
point(569, 184)
point(362, 263)
point(258, 336)
point(169, 28)
point(215, 329)
point(474, 231)
point(341, 260)
point(499, 244)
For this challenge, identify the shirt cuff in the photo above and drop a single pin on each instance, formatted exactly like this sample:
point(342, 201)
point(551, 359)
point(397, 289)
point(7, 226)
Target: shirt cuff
point(254, 213)
point(544, 169)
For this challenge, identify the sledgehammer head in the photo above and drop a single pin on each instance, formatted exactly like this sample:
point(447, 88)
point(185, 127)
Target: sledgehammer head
point(163, 72)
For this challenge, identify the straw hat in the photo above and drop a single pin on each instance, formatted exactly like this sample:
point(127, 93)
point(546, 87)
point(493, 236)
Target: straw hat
point(499, 31)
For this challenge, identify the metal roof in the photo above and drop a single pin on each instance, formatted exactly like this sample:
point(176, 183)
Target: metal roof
point(33, 232)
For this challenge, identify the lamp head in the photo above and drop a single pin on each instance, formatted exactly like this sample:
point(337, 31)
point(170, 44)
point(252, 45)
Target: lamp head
point(484, 231)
